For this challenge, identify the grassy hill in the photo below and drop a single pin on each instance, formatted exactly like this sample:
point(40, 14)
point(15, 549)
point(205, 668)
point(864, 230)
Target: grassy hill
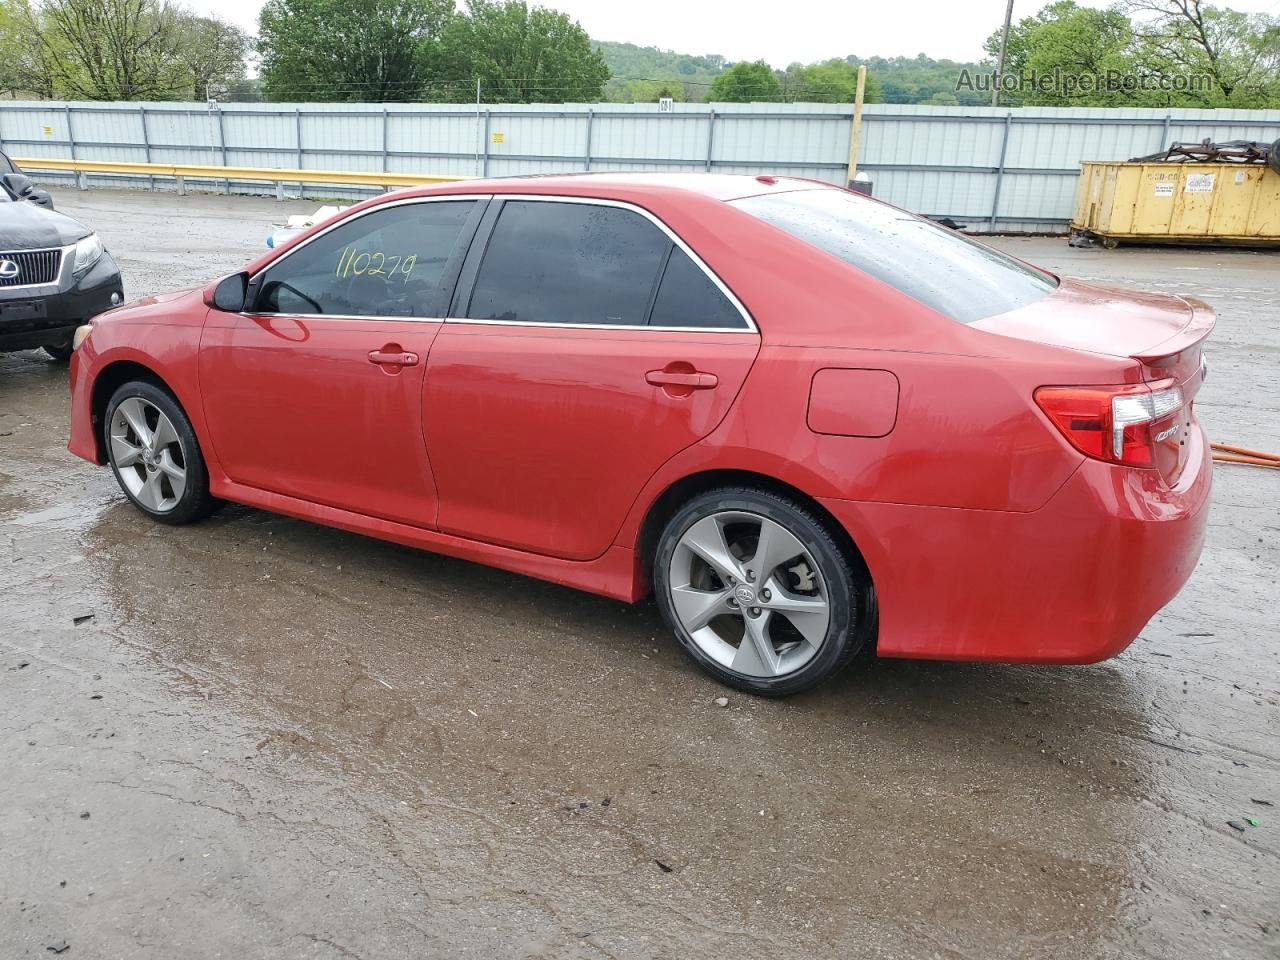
point(634, 68)
point(644, 73)
point(922, 79)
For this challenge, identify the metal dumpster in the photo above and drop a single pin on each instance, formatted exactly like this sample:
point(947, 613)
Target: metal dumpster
point(1152, 202)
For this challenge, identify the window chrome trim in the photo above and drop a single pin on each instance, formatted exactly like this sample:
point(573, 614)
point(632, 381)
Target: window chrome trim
point(406, 201)
point(344, 316)
point(631, 327)
point(540, 197)
point(671, 235)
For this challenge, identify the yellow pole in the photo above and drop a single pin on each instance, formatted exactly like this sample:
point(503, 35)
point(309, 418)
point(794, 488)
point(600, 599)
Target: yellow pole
point(855, 131)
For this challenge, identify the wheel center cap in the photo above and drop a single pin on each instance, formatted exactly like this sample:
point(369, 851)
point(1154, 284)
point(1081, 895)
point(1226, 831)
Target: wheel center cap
point(744, 594)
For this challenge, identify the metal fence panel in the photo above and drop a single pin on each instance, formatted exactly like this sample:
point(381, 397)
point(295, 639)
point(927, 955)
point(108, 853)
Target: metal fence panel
point(991, 168)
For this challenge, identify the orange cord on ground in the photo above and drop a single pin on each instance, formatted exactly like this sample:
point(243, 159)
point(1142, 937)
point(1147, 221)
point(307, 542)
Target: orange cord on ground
point(1226, 453)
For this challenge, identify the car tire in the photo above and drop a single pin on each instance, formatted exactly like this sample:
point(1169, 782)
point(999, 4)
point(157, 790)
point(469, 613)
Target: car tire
point(60, 352)
point(713, 587)
point(155, 456)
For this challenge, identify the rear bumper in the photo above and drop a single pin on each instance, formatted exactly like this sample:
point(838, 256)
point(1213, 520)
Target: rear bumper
point(49, 315)
point(1072, 582)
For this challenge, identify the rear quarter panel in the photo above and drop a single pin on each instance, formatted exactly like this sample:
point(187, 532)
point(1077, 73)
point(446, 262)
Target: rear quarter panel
point(967, 432)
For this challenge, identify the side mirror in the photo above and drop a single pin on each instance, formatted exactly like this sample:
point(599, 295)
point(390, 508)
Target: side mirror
point(230, 292)
point(19, 184)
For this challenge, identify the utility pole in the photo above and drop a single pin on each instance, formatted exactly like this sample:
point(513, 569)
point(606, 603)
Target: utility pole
point(1004, 46)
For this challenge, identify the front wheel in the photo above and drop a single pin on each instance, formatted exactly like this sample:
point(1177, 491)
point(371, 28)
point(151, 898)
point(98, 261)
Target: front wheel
point(759, 593)
point(154, 454)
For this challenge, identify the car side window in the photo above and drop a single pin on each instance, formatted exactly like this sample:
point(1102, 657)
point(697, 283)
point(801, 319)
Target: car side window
point(388, 263)
point(563, 262)
point(687, 297)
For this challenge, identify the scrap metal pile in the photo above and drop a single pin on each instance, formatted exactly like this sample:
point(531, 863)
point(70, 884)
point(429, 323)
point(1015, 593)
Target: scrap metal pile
point(1230, 151)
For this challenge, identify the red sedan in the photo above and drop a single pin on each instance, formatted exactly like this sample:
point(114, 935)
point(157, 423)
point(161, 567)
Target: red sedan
point(809, 422)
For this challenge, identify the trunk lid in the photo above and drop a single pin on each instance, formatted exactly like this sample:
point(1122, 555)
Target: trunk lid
point(1095, 318)
point(1162, 333)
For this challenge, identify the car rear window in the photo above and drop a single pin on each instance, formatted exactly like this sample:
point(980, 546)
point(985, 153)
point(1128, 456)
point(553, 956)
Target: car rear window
point(939, 267)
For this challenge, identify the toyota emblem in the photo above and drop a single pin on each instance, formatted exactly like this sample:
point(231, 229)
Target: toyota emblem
point(9, 270)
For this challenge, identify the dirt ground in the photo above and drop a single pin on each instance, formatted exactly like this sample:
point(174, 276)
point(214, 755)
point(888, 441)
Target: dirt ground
point(274, 740)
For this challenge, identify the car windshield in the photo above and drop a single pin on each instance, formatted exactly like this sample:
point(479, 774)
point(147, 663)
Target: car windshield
point(939, 267)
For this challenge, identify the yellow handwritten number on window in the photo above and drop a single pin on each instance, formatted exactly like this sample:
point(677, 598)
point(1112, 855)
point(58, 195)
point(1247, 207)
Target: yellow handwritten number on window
point(374, 263)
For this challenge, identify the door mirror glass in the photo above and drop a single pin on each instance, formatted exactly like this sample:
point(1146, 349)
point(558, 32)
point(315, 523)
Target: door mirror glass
point(19, 184)
point(229, 294)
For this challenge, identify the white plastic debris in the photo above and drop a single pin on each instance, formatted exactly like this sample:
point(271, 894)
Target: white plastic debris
point(296, 223)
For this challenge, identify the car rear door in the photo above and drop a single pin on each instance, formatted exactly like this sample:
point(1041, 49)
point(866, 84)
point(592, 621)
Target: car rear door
point(550, 396)
point(315, 390)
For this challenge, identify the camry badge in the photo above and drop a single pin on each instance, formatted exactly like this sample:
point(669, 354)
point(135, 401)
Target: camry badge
point(9, 270)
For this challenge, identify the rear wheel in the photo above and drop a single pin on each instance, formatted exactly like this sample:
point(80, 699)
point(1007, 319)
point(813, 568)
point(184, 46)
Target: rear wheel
point(759, 593)
point(154, 454)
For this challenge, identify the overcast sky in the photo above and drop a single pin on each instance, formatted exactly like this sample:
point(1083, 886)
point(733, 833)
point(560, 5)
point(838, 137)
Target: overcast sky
point(778, 32)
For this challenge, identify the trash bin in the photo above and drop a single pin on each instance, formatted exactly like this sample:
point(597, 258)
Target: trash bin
point(1161, 202)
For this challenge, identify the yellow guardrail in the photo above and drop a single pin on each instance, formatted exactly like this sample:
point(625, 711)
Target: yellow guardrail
point(181, 171)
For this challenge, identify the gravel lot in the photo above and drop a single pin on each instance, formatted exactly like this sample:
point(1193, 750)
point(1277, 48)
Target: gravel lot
point(271, 739)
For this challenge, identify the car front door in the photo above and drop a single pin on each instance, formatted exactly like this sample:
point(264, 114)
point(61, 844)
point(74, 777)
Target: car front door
point(586, 346)
point(315, 390)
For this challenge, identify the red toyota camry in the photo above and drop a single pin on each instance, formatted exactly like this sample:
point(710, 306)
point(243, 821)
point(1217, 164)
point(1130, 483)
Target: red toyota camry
point(809, 422)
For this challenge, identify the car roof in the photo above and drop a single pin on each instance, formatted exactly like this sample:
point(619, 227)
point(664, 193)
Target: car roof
point(654, 191)
point(631, 186)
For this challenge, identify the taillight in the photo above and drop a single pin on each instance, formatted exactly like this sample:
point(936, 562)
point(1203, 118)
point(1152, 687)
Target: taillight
point(1119, 424)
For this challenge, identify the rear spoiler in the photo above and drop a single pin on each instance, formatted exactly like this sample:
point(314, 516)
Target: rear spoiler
point(1199, 325)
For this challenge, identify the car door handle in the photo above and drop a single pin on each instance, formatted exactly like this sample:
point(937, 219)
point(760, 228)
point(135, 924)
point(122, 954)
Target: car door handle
point(401, 359)
point(691, 381)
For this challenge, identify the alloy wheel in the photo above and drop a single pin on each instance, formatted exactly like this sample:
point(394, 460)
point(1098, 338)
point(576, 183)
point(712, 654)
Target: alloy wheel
point(147, 454)
point(749, 594)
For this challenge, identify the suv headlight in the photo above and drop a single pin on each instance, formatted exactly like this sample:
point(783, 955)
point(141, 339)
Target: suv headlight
point(88, 252)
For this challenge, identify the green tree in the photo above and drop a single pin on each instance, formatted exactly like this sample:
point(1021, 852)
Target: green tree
point(213, 51)
point(629, 63)
point(112, 49)
point(115, 50)
point(944, 98)
point(1236, 55)
point(523, 54)
point(1068, 55)
point(646, 91)
point(832, 81)
point(921, 79)
point(376, 50)
point(21, 67)
point(746, 83)
point(1145, 53)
